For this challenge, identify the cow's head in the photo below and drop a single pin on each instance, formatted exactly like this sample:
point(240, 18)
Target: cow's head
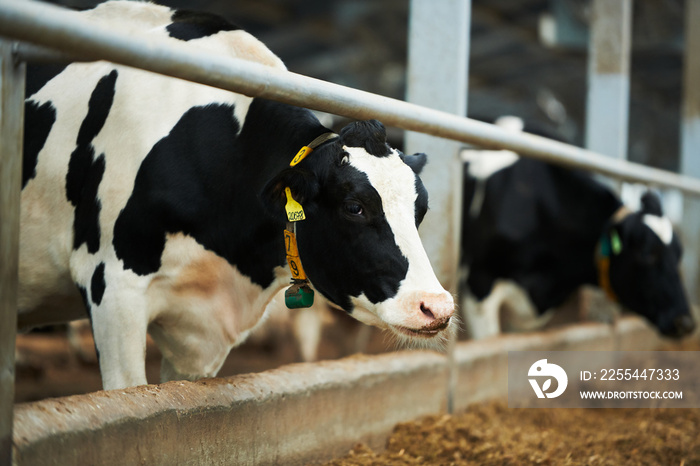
point(644, 257)
point(359, 244)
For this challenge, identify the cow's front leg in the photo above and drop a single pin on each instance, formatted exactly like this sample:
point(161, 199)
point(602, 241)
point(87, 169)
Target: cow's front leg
point(481, 318)
point(518, 312)
point(120, 341)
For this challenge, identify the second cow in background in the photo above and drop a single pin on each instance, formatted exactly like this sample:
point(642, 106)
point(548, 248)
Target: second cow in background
point(534, 233)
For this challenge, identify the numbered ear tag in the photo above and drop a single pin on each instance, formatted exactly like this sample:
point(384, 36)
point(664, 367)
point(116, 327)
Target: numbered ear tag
point(296, 268)
point(294, 210)
point(604, 277)
point(303, 152)
point(290, 243)
point(299, 294)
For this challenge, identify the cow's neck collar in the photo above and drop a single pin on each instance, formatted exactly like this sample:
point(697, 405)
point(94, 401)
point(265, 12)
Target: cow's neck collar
point(299, 294)
point(307, 149)
point(608, 245)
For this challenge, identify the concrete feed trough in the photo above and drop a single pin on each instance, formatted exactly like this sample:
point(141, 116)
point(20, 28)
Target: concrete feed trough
point(296, 414)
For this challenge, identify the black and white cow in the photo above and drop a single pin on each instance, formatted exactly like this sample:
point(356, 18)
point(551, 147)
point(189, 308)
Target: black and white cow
point(156, 205)
point(534, 232)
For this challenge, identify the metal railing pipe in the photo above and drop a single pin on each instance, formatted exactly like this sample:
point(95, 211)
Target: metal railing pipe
point(12, 79)
point(30, 53)
point(66, 31)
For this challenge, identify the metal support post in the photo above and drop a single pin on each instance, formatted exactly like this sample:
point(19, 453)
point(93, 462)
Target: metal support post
point(438, 62)
point(12, 78)
point(690, 150)
point(607, 111)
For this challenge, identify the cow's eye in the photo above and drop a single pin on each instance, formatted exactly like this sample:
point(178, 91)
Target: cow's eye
point(354, 208)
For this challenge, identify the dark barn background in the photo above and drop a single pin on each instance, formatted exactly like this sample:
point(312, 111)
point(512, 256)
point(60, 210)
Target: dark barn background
point(363, 44)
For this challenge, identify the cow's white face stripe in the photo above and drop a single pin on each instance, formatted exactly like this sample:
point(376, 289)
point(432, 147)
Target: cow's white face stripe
point(661, 226)
point(395, 183)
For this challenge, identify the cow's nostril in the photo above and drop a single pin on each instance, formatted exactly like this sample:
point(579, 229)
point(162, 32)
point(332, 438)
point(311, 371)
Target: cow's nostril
point(426, 310)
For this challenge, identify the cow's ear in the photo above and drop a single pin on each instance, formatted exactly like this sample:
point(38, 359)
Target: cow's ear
point(370, 135)
point(651, 204)
point(415, 161)
point(302, 184)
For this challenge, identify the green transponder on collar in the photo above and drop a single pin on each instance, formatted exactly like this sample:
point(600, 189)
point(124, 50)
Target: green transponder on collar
point(299, 296)
point(610, 244)
point(604, 246)
point(615, 242)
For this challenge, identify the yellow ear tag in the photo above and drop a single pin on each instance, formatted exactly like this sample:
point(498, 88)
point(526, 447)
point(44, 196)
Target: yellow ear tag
point(294, 210)
point(303, 152)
